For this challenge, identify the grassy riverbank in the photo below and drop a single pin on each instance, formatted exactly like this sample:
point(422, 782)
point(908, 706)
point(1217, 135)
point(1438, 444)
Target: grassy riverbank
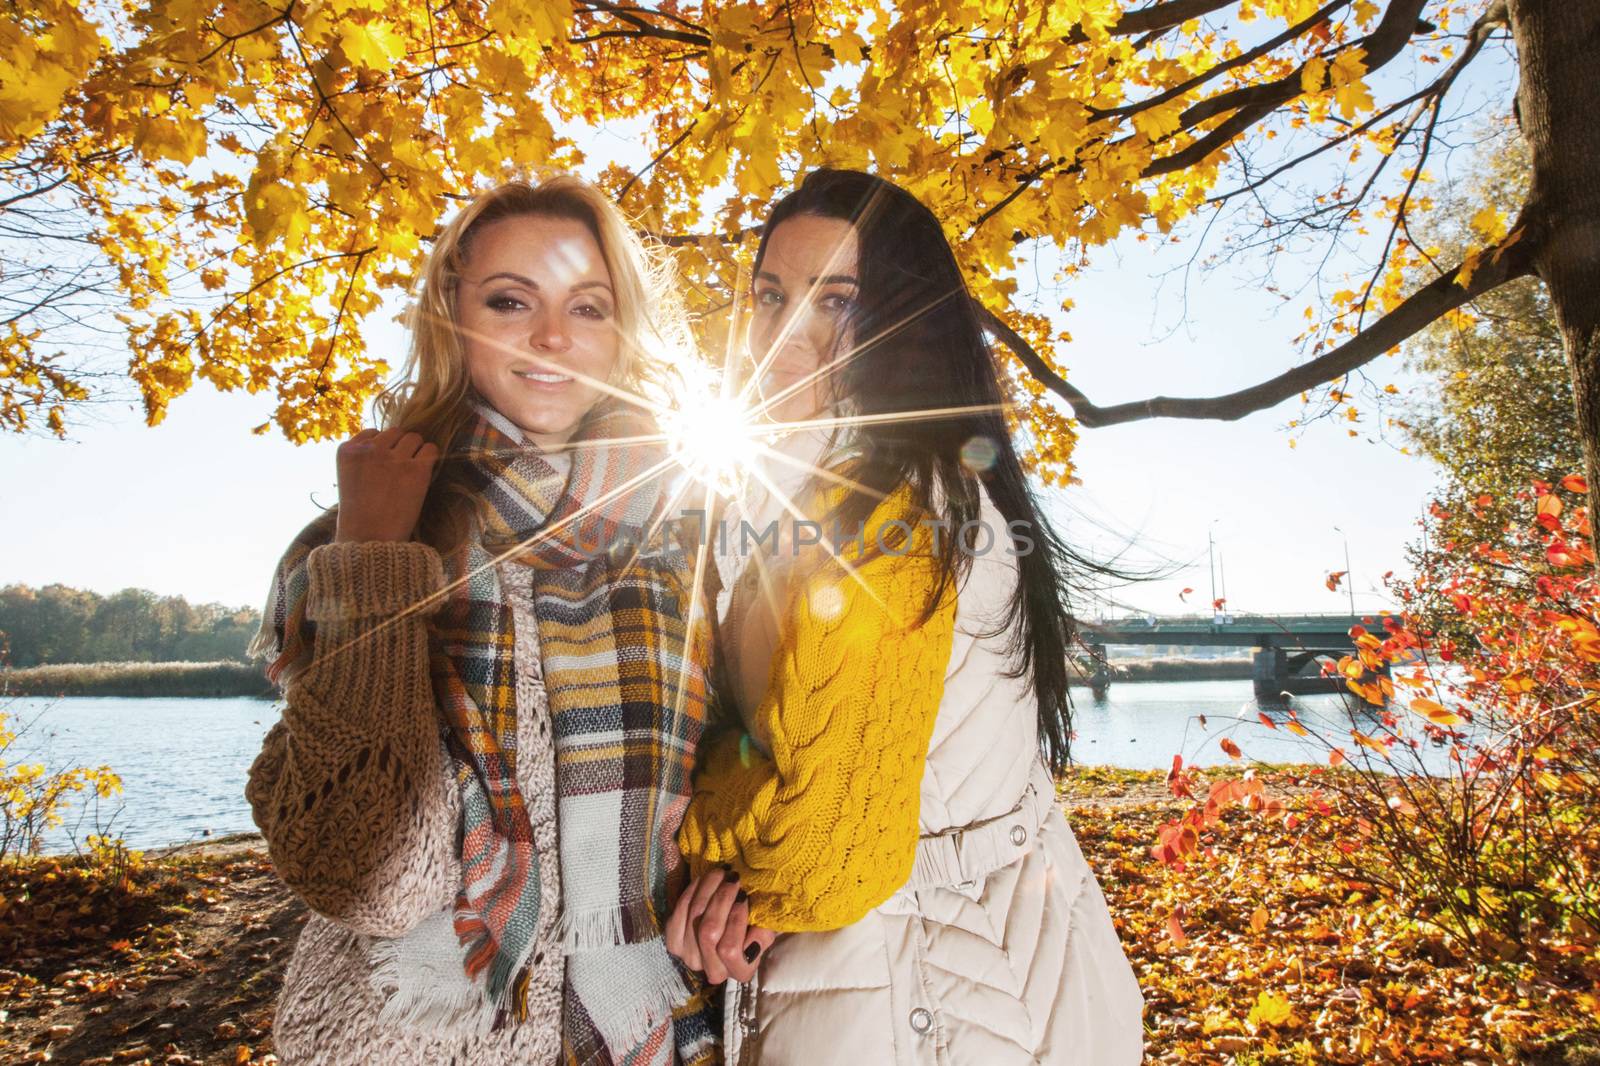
point(1276, 964)
point(137, 680)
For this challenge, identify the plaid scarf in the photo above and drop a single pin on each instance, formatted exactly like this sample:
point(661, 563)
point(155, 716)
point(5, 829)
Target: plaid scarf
point(627, 693)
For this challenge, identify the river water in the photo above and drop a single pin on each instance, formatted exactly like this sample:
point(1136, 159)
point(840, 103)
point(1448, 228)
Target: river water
point(183, 761)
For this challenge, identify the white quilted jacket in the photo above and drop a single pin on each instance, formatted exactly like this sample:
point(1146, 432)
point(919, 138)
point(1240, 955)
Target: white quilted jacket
point(1000, 949)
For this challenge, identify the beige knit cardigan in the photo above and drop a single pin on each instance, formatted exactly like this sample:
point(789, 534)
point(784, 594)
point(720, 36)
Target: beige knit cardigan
point(353, 793)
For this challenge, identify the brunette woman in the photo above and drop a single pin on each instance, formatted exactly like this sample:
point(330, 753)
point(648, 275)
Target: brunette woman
point(881, 865)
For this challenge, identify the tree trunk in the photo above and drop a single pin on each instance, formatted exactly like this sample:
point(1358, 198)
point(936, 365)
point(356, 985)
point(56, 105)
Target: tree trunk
point(1558, 51)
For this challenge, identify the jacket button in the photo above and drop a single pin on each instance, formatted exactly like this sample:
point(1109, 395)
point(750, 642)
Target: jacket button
point(921, 1019)
point(1019, 835)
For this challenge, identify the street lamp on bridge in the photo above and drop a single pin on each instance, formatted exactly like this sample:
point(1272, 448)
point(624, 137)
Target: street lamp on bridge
point(1349, 575)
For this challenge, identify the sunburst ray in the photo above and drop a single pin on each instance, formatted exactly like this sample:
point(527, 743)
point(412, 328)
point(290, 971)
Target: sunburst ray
point(718, 434)
point(527, 543)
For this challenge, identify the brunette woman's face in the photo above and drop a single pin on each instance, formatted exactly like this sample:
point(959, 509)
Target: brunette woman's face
point(804, 291)
point(537, 316)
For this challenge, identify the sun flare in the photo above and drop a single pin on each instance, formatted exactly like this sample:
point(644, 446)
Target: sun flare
point(712, 436)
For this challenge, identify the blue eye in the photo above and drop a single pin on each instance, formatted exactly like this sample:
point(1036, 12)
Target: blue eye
point(769, 298)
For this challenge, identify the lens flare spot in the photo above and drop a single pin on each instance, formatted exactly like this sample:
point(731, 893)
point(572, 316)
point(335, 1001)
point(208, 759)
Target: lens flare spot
point(978, 454)
point(827, 603)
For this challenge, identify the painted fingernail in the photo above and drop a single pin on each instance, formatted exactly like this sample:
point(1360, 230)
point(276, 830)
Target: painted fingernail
point(741, 897)
point(733, 875)
point(751, 952)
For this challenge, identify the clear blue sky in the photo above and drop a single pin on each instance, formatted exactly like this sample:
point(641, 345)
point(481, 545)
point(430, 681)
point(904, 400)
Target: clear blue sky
point(200, 507)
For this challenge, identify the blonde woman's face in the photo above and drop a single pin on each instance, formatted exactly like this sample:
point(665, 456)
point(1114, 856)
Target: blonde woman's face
point(537, 316)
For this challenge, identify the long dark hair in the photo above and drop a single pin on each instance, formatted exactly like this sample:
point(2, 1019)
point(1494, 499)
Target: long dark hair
point(919, 346)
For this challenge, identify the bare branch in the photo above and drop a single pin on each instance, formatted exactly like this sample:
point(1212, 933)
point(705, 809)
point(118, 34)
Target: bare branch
point(636, 175)
point(41, 190)
point(681, 240)
point(1512, 258)
point(1476, 38)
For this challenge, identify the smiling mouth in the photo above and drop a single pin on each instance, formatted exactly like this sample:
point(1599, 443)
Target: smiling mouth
point(542, 378)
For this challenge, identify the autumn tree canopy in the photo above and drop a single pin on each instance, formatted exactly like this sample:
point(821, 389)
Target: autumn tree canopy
point(242, 182)
point(1496, 412)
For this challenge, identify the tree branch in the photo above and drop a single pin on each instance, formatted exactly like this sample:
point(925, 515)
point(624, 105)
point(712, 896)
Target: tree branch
point(1255, 102)
point(694, 35)
point(681, 240)
point(1153, 19)
point(636, 175)
point(1242, 59)
point(1386, 40)
point(1511, 259)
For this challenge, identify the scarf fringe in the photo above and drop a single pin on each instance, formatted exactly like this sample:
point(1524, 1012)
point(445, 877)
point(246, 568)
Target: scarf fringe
point(264, 645)
point(460, 1010)
point(450, 1003)
point(636, 1020)
point(596, 928)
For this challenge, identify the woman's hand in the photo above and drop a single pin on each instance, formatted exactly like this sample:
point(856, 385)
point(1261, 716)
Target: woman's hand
point(710, 929)
point(383, 480)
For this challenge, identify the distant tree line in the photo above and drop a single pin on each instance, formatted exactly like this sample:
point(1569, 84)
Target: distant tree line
point(58, 624)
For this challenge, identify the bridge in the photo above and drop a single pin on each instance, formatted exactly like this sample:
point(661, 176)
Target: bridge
point(1284, 644)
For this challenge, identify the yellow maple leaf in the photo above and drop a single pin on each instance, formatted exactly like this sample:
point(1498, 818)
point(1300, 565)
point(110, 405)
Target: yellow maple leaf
point(1270, 1009)
point(1350, 90)
point(373, 44)
point(178, 138)
point(1313, 75)
point(36, 72)
point(1490, 223)
point(1157, 122)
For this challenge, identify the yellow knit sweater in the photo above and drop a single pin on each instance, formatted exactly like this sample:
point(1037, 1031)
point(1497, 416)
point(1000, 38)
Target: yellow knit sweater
point(826, 829)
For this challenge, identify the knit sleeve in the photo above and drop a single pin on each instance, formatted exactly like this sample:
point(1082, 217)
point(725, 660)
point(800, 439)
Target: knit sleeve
point(350, 789)
point(826, 828)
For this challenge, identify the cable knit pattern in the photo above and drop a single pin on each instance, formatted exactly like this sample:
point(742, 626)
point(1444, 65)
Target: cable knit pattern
point(366, 690)
point(826, 828)
point(999, 951)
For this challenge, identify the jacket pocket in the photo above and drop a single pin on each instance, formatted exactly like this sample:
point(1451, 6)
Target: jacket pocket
point(820, 999)
point(849, 958)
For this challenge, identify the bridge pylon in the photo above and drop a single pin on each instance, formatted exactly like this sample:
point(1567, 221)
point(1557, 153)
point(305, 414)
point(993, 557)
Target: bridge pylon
point(1100, 680)
point(1269, 673)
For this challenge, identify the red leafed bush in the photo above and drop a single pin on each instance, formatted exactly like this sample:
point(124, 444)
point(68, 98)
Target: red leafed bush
point(1495, 659)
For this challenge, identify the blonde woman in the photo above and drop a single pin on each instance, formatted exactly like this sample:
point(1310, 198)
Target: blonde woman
point(492, 688)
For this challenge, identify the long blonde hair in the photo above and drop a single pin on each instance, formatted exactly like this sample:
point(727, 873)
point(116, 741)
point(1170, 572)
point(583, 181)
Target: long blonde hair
point(433, 394)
